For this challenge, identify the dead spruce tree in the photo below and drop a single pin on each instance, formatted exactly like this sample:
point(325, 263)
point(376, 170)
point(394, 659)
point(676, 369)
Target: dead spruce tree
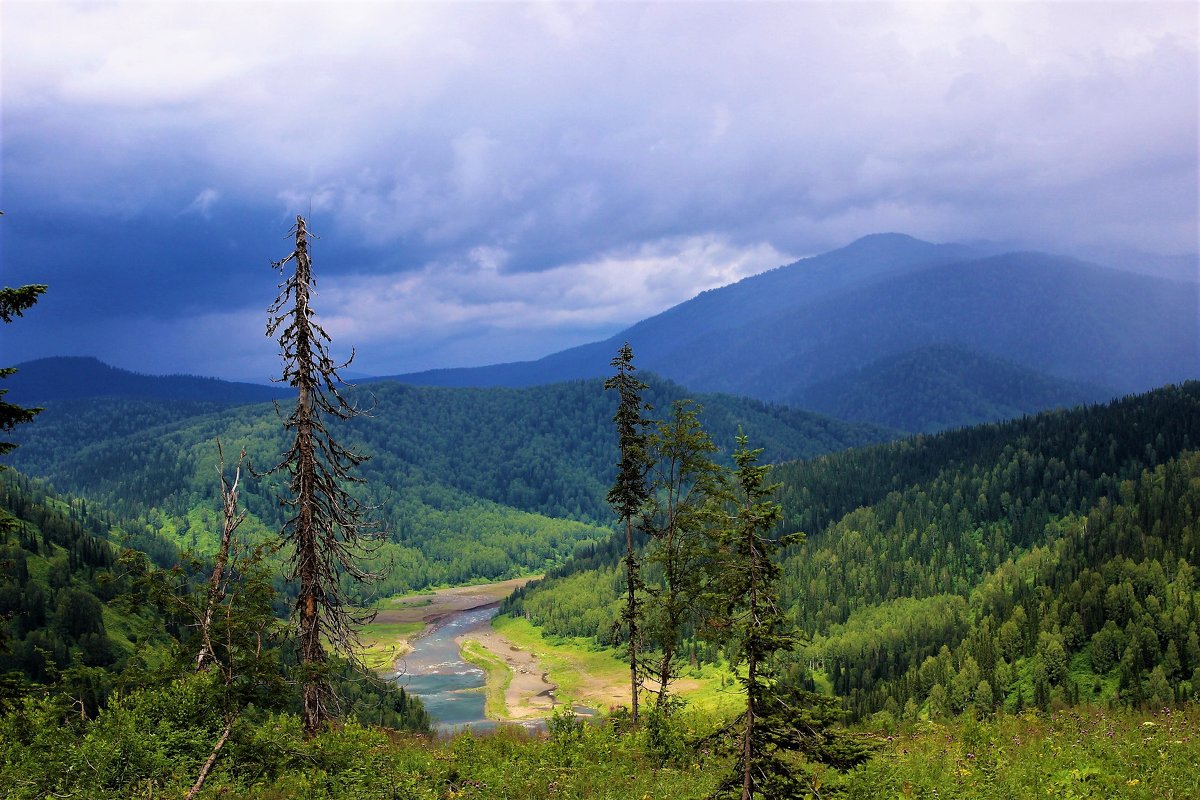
point(629, 493)
point(326, 531)
point(218, 580)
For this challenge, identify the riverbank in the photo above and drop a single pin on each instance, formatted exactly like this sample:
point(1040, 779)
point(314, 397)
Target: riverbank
point(516, 682)
point(526, 675)
point(598, 677)
point(401, 620)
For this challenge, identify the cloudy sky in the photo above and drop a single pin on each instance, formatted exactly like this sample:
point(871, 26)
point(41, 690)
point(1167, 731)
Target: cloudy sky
point(495, 182)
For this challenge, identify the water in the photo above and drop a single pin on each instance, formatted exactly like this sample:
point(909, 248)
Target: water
point(450, 688)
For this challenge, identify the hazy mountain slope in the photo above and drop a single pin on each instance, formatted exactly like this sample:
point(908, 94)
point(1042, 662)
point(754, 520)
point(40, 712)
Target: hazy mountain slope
point(942, 386)
point(773, 335)
point(658, 339)
point(1059, 316)
point(72, 378)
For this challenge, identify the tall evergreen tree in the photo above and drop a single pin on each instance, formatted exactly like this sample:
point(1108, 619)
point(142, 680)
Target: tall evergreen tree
point(678, 517)
point(629, 494)
point(747, 580)
point(327, 529)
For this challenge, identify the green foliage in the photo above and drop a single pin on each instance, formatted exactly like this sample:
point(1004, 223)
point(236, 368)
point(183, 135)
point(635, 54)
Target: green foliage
point(1085, 752)
point(939, 387)
point(629, 490)
point(471, 484)
point(66, 609)
point(13, 303)
point(1067, 540)
point(754, 630)
point(627, 497)
point(153, 741)
point(679, 518)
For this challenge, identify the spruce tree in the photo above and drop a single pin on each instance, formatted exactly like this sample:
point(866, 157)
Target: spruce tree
point(747, 582)
point(327, 531)
point(14, 302)
point(629, 493)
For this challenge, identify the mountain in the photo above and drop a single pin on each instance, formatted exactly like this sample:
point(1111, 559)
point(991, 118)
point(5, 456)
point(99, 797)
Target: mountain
point(658, 339)
point(774, 335)
point(942, 386)
point(73, 378)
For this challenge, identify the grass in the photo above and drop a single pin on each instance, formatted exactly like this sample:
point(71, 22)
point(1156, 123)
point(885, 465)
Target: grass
point(589, 675)
point(1081, 752)
point(416, 600)
point(497, 677)
point(583, 673)
point(384, 642)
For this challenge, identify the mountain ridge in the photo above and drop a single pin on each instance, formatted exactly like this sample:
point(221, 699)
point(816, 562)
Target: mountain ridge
point(78, 377)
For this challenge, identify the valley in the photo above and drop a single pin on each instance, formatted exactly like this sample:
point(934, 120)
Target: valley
point(559, 400)
point(1032, 577)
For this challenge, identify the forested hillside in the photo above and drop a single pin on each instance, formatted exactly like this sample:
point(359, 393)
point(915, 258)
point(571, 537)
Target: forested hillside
point(64, 609)
point(1050, 558)
point(77, 622)
point(941, 386)
point(470, 483)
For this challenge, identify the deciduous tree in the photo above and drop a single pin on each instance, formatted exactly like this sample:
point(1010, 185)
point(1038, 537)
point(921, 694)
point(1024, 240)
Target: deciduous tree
point(678, 517)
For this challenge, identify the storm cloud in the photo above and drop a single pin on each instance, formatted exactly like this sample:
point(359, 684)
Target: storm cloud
point(498, 181)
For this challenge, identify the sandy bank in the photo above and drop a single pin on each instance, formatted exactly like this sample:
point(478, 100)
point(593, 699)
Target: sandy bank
point(529, 693)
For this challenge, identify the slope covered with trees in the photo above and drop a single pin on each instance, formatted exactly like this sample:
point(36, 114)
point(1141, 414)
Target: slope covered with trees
point(940, 387)
point(1051, 558)
point(471, 483)
point(77, 620)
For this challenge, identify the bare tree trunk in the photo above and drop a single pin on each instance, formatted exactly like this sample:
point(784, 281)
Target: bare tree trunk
point(668, 644)
point(751, 666)
point(212, 759)
point(631, 613)
point(312, 652)
point(216, 581)
point(747, 744)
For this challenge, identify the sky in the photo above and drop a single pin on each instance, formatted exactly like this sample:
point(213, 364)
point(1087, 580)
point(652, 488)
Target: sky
point(494, 182)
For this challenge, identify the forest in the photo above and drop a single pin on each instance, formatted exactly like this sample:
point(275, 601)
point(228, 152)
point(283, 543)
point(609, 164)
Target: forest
point(1050, 558)
point(962, 589)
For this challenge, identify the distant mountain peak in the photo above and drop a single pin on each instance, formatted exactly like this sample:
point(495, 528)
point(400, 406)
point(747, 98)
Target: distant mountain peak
point(886, 238)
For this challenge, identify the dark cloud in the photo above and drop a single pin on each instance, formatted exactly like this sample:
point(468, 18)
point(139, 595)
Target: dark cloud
point(625, 155)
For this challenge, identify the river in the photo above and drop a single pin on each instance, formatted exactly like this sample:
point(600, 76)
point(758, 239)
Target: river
point(450, 687)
